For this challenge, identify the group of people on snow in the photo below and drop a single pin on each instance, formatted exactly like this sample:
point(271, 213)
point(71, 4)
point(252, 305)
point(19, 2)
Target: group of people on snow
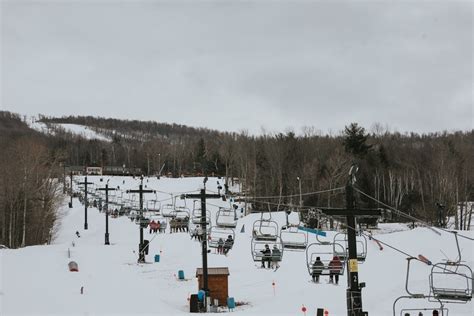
point(334, 266)
point(271, 256)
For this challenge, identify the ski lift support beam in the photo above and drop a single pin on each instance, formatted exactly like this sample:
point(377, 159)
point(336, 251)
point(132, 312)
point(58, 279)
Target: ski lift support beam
point(203, 196)
point(107, 189)
point(85, 183)
point(354, 291)
point(140, 191)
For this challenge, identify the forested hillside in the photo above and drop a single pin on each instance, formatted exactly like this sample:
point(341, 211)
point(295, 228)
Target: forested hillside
point(411, 172)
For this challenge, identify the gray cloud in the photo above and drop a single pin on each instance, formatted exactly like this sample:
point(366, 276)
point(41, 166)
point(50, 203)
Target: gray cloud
point(242, 65)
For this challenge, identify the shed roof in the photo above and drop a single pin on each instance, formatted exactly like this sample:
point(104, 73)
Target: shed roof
point(214, 271)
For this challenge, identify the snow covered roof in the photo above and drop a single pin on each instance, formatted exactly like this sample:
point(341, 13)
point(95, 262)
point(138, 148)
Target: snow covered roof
point(214, 271)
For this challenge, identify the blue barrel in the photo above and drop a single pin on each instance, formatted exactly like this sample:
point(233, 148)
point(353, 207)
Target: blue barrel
point(230, 303)
point(157, 258)
point(201, 295)
point(181, 274)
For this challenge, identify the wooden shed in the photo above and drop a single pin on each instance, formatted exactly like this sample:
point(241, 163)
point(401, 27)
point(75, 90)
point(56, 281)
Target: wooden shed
point(218, 283)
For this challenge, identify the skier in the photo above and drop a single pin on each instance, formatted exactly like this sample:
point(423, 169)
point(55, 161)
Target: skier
point(229, 242)
point(276, 257)
point(435, 312)
point(267, 255)
point(335, 267)
point(77, 234)
point(318, 268)
point(157, 227)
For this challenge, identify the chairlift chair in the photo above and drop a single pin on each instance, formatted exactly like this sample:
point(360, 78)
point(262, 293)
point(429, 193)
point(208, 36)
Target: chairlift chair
point(293, 239)
point(258, 245)
point(265, 230)
point(340, 245)
point(226, 217)
point(168, 210)
point(215, 233)
point(452, 281)
point(326, 255)
point(429, 298)
point(153, 205)
point(196, 214)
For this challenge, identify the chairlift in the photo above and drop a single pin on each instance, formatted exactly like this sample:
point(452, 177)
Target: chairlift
point(258, 245)
point(226, 217)
point(340, 245)
point(180, 212)
point(293, 239)
point(325, 254)
point(442, 311)
point(168, 210)
point(266, 230)
point(153, 205)
point(452, 281)
point(217, 233)
point(196, 217)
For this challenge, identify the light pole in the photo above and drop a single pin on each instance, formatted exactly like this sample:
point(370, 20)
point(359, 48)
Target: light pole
point(301, 199)
point(159, 165)
point(71, 192)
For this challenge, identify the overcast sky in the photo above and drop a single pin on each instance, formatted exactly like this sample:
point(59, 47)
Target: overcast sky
point(243, 65)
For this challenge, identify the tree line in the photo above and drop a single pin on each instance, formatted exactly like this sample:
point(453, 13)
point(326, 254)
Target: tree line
point(411, 172)
point(29, 194)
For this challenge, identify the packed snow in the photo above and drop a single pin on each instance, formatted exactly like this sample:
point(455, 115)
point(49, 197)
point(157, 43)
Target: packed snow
point(36, 280)
point(80, 130)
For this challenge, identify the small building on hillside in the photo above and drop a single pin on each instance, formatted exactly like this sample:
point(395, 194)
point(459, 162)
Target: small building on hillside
point(218, 282)
point(94, 171)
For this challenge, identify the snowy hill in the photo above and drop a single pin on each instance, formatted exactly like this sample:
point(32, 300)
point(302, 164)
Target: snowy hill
point(74, 129)
point(36, 280)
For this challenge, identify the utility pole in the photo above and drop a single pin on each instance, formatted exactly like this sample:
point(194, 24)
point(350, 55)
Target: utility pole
point(86, 201)
point(141, 246)
point(64, 178)
point(71, 192)
point(301, 197)
point(203, 196)
point(107, 189)
point(354, 290)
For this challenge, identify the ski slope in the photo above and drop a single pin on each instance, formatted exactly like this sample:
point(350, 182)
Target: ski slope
point(75, 129)
point(36, 281)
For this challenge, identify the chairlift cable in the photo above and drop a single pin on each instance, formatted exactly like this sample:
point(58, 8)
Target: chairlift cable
point(295, 195)
point(368, 236)
point(410, 216)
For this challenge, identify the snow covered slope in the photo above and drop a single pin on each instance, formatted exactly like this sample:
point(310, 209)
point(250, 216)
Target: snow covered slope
point(36, 281)
point(76, 129)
